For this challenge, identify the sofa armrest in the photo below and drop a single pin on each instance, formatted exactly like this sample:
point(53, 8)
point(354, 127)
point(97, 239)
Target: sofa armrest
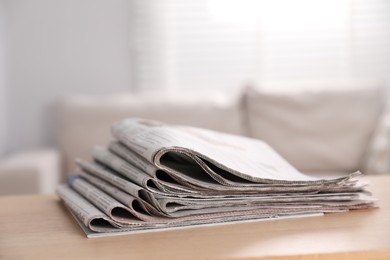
point(36, 171)
point(377, 159)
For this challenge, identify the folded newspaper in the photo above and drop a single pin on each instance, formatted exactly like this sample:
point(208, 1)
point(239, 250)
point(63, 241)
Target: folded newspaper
point(156, 176)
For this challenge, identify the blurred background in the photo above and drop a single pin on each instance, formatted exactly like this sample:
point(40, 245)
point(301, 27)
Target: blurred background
point(51, 49)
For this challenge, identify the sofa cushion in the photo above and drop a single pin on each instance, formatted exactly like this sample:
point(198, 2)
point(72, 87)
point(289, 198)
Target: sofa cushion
point(85, 121)
point(327, 130)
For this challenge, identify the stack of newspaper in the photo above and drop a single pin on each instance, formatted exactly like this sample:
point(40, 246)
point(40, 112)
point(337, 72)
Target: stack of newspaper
point(158, 176)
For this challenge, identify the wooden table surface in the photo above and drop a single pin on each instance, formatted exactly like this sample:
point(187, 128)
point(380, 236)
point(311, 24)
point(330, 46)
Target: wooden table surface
point(40, 227)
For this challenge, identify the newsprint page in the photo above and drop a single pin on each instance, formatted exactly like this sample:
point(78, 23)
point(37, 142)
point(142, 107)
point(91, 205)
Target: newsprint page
point(155, 176)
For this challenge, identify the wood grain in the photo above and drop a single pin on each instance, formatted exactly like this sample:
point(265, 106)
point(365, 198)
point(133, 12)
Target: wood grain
point(40, 227)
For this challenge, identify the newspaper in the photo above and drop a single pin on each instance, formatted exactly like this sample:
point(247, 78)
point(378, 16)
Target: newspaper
point(156, 176)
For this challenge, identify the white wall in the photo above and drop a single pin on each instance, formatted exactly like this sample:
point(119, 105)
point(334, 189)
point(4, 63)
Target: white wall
point(2, 83)
point(59, 48)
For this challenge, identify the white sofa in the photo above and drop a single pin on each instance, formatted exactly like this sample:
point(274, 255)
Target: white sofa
point(321, 131)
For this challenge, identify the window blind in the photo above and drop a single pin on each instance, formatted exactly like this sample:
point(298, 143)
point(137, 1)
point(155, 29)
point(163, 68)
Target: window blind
point(214, 44)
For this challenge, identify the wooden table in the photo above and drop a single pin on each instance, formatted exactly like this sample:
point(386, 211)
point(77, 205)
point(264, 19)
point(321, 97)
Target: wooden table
point(40, 227)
